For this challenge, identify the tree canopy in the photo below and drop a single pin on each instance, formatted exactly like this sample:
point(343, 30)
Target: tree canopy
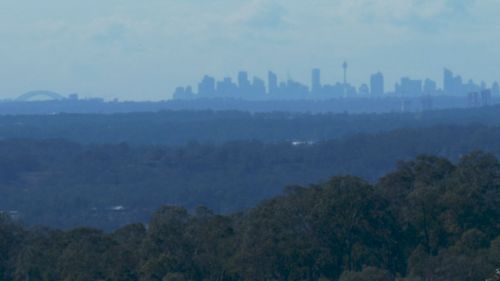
point(429, 219)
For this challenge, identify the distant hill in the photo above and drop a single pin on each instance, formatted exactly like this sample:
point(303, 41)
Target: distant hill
point(65, 184)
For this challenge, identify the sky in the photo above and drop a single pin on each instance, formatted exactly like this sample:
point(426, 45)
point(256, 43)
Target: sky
point(142, 50)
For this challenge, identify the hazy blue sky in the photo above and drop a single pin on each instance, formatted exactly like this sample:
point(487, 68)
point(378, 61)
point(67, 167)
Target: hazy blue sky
point(131, 49)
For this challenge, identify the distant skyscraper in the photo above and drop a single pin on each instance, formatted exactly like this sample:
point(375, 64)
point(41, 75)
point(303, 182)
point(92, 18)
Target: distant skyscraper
point(448, 82)
point(377, 84)
point(430, 87)
point(295, 89)
point(458, 85)
point(226, 87)
point(179, 93)
point(207, 86)
point(409, 87)
point(183, 93)
point(258, 87)
point(485, 97)
point(453, 85)
point(344, 66)
point(471, 87)
point(316, 81)
point(483, 85)
point(473, 99)
point(244, 87)
point(364, 90)
point(243, 81)
point(272, 82)
point(495, 89)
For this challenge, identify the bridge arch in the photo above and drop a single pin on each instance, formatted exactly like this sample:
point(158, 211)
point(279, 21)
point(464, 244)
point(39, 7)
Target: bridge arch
point(34, 94)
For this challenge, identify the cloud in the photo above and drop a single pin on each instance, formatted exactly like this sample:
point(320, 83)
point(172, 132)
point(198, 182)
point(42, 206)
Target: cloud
point(172, 42)
point(260, 14)
point(109, 31)
point(411, 13)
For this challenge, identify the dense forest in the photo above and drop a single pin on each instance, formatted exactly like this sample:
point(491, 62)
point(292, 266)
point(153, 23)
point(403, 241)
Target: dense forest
point(427, 220)
point(65, 184)
point(180, 127)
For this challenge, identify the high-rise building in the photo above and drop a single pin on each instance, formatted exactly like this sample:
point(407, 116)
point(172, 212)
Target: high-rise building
point(243, 83)
point(458, 85)
point(316, 81)
point(344, 67)
point(473, 98)
point(226, 87)
point(448, 82)
point(377, 84)
point(471, 87)
point(453, 85)
point(346, 87)
point(485, 97)
point(364, 90)
point(409, 87)
point(183, 93)
point(495, 89)
point(206, 87)
point(272, 80)
point(295, 89)
point(258, 87)
point(430, 87)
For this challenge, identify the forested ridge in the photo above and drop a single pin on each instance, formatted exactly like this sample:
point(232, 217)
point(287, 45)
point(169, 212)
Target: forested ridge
point(65, 184)
point(429, 219)
point(180, 127)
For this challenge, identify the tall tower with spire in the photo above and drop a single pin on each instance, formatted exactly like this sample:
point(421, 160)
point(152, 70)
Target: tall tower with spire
point(344, 66)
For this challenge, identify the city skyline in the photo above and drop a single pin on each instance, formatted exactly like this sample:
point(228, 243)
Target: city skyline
point(141, 51)
point(255, 87)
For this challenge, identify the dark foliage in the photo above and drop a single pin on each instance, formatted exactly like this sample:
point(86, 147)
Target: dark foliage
point(63, 184)
point(430, 219)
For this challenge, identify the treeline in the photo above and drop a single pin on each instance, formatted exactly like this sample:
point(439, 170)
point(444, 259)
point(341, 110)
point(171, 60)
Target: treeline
point(180, 127)
point(430, 219)
point(63, 184)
